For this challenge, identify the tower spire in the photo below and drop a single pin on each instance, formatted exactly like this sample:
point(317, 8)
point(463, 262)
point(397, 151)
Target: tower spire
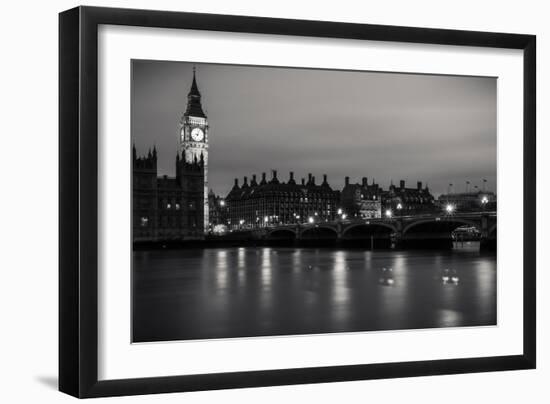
point(194, 88)
point(194, 107)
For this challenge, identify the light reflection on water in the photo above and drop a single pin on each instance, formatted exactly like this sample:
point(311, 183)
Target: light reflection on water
point(232, 292)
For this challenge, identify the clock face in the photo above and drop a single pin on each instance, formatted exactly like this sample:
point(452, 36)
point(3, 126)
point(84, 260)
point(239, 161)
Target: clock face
point(197, 134)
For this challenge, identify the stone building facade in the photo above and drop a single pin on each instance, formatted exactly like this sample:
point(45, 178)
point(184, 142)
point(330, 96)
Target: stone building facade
point(362, 200)
point(174, 208)
point(269, 202)
point(167, 208)
point(406, 201)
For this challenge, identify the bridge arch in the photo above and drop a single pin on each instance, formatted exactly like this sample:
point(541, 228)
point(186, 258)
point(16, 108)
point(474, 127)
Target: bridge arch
point(358, 230)
point(319, 232)
point(445, 225)
point(281, 234)
point(432, 233)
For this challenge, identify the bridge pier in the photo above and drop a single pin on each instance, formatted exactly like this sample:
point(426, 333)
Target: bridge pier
point(488, 244)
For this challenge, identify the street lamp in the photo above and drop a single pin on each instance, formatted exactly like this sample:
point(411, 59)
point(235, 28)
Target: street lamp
point(222, 203)
point(449, 209)
point(484, 201)
point(339, 211)
point(344, 216)
point(310, 219)
point(388, 213)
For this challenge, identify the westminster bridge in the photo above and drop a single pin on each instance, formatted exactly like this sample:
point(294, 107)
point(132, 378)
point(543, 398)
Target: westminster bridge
point(418, 231)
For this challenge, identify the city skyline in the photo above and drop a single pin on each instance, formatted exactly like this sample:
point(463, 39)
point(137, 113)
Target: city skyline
point(339, 255)
point(383, 126)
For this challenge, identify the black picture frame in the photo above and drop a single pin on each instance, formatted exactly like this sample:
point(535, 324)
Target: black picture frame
point(78, 201)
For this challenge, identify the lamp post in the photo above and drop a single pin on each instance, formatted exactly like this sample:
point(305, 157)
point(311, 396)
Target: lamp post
point(484, 202)
point(399, 207)
point(341, 214)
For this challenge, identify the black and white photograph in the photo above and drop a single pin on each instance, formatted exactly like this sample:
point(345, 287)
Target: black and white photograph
point(273, 201)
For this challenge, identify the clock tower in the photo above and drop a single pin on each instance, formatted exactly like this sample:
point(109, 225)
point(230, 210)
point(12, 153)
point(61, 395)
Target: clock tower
point(193, 134)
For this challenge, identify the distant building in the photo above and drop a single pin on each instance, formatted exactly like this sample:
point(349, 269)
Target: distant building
point(174, 208)
point(408, 201)
point(468, 201)
point(366, 200)
point(362, 200)
point(264, 203)
point(217, 210)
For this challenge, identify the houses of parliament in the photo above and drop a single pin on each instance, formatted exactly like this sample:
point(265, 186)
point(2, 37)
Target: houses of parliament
point(174, 208)
point(181, 208)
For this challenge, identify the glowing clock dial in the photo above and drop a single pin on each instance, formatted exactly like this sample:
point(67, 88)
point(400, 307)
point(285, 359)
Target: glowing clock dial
point(197, 134)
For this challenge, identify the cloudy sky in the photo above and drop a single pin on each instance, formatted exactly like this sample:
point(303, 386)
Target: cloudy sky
point(386, 126)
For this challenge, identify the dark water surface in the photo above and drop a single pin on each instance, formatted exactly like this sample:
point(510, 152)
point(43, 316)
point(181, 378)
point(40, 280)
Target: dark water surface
point(258, 291)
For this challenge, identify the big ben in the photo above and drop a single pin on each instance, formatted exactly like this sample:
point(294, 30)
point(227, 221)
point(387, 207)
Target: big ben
point(193, 134)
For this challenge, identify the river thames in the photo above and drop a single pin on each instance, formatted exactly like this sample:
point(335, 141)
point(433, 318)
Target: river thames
point(259, 291)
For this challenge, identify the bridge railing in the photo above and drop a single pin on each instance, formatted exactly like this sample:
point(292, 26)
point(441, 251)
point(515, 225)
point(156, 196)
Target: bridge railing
point(393, 219)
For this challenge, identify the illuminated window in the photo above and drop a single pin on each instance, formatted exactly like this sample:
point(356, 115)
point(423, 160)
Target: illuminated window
point(144, 221)
point(177, 206)
point(168, 206)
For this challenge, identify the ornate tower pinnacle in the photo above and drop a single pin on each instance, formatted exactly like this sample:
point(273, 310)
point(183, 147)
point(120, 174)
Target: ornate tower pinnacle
point(194, 136)
point(194, 106)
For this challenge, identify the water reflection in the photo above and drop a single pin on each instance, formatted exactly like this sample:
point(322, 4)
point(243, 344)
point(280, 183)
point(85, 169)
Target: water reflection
point(231, 292)
point(221, 266)
point(267, 260)
point(385, 277)
point(340, 271)
point(449, 276)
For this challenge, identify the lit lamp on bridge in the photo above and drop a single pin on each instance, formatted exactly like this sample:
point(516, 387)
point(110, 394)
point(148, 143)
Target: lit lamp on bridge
point(388, 213)
point(449, 209)
point(311, 220)
point(399, 207)
point(484, 202)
